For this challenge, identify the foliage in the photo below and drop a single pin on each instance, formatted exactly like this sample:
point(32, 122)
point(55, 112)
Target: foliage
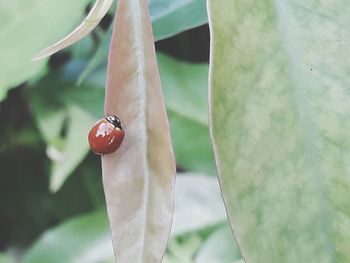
point(23, 22)
point(142, 172)
point(48, 173)
point(86, 238)
point(278, 116)
point(282, 151)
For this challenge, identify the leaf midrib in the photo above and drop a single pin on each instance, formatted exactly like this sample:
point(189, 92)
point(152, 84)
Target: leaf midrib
point(141, 76)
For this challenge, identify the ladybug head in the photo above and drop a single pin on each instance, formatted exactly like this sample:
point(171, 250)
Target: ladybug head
point(115, 121)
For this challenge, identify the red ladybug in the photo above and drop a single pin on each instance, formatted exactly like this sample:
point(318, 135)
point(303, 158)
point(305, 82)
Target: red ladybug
point(106, 135)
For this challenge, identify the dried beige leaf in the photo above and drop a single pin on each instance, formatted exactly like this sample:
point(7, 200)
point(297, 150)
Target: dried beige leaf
point(138, 178)
point(97, 12)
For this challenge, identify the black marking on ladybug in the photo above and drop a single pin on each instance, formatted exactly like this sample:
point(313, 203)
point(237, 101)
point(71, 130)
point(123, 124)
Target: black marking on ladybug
point(115, 121)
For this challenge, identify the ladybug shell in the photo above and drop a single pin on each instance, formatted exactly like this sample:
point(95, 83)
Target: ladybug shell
point(105, 138)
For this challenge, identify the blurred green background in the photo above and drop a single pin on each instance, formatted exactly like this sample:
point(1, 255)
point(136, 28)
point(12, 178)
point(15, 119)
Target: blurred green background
point(52, 207)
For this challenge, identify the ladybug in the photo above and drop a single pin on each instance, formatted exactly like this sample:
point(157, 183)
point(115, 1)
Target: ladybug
point(106, 135)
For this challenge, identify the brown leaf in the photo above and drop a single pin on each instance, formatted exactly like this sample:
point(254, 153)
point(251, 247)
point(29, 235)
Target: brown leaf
point(138, 178)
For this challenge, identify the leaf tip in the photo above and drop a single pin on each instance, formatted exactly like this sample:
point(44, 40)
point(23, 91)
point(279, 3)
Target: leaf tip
point(55, 184)
point(42, 54)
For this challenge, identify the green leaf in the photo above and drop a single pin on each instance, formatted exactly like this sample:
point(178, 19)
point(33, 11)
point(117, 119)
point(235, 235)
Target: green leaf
point(82, 239)
point(49, 121)
point(87, 238)
point(25, 27)
point(168, 18)
point(226, 252)
point(182, 249)
point(198, 203)
point(75, 146)
point(172, 17)
point(99, 59)
point(185, 90)
point(4, 258)
point(280, 112)
point(55, 99)
point(191, 144)
point(55, 110)
point(93, 18)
